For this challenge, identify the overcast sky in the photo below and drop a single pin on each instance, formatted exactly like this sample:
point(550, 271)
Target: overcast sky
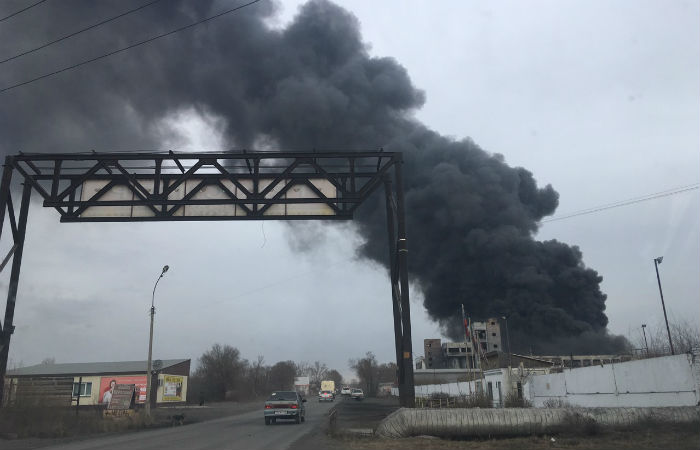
point(599, 99)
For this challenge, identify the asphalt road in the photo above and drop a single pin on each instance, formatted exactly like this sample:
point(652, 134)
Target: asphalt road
point(243, 431)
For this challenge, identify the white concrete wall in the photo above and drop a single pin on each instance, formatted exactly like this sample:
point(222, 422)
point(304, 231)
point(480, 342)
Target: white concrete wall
point(462, 388)
point(453, 389)
point(664, 381)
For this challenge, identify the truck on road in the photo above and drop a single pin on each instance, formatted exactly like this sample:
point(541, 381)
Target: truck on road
point(328, 385)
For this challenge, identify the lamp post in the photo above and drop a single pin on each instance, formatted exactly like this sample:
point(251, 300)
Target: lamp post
point(657, 261)
point(150, 345)
point(510, 352)
point(646, 345)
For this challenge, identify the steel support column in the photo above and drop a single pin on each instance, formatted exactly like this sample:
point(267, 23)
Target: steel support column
point(402, 262)
point(395, 295)
point(8, 328)
point(62, 181)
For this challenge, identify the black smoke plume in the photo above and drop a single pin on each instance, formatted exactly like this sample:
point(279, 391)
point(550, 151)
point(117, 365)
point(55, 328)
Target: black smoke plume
point(471, 217)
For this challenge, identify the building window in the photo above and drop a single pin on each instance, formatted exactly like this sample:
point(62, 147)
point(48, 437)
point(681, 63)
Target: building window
point(495, 345)
point(85, 389)
point(493, 334)
point(469, 349)
point(493, 323)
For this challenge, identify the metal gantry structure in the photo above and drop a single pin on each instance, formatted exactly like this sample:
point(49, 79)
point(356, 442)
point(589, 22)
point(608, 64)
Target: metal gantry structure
point(169, 186)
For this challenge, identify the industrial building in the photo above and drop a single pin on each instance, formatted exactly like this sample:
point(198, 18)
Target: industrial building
point(446, 370)
point(91, 384)
point(456, 355)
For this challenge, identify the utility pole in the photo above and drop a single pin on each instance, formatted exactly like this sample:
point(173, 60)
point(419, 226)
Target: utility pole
point(510, 351)
point(465, 324)
point(150, 346)
point(657, 261)
point(646, 345)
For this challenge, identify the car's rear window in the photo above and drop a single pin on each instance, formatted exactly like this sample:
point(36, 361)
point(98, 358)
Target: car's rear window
point(284, 395)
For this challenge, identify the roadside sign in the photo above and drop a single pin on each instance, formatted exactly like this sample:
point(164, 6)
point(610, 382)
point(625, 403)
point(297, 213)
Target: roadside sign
point(122, 397)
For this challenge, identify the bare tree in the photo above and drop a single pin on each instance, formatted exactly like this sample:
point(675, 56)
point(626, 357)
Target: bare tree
point(221, 369)
point(48, 361)
point(336, 377)
point(317, 372)
point(684, 335)
point(301, 369)
point(258, 378)
point(282, 375)
point(387, 373)
point(367, 370)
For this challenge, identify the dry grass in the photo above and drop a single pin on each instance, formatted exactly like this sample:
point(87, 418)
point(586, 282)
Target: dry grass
point(53, 422)
point(444, 400)
point(685, 437)
point(513, 401)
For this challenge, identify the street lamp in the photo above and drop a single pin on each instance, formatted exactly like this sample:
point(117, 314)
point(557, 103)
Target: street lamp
point(150, 345)
point(657, 261)
point(646, 345)
point(510, 352)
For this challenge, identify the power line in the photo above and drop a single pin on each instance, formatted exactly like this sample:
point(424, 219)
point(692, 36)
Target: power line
point(78, 32)
point(128, 47)
point(631, 201)
point(277, 283)
point(22, 10)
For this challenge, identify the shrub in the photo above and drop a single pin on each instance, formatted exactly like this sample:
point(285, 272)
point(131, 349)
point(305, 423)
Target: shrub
point(557, 403)
point(52, 421)
point(513, 401)
point(577, 424)
point(477, 400)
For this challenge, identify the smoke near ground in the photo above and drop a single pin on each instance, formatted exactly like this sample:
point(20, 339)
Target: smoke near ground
point(471, 217)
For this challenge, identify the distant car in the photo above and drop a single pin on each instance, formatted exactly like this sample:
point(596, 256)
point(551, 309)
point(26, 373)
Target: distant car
point(357, 394)
point(326, 396)
point(284, 405)
point(345, 390)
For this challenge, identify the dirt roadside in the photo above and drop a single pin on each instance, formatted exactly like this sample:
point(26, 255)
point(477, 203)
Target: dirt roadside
point(163, 417)
point(356, 418)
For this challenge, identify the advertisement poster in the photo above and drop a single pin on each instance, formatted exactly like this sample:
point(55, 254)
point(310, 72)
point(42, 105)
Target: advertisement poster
point(122, 394)
point(172, 388)
point(107, 385)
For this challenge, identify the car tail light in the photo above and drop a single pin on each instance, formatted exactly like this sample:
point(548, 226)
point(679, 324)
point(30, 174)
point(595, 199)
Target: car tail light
point(294, 406)
point(268, 406)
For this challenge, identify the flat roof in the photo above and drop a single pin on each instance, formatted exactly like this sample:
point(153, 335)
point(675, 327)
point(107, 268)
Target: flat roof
point(90, 368)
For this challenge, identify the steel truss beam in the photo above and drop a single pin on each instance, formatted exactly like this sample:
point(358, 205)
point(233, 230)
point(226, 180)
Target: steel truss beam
point(153, 178)
point(256, 184)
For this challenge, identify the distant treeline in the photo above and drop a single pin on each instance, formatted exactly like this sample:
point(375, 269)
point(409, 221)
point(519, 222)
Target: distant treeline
point(222, 374)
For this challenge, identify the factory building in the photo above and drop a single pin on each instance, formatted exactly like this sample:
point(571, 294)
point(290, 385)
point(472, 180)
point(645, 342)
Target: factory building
point(461, 355)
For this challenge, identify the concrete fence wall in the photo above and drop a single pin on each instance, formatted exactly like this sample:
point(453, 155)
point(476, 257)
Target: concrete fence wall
point(474, 422)
point(452, 389)
point(664, 381)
